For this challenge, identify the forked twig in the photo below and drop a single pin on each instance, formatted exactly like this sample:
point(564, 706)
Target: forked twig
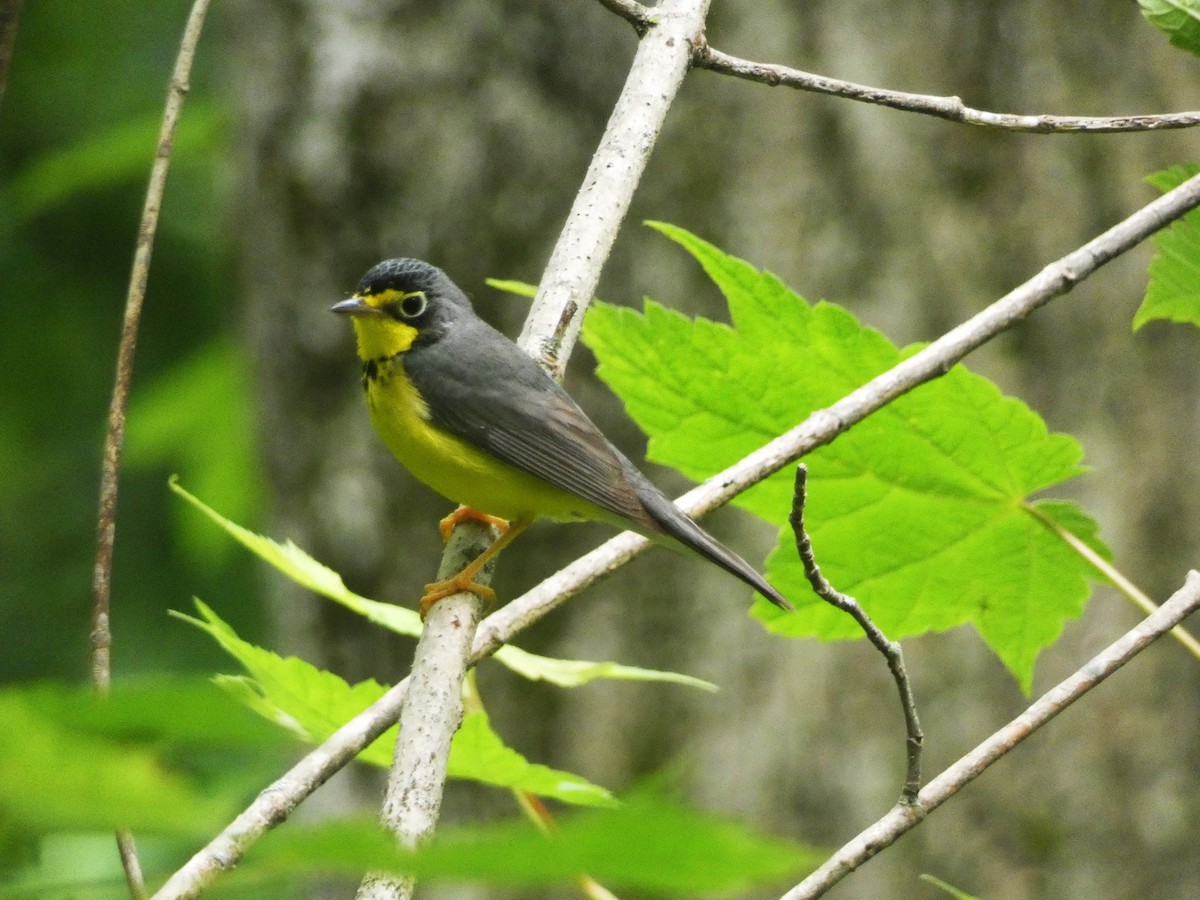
point(101, 634)
point(890, 649)
point(904, 817)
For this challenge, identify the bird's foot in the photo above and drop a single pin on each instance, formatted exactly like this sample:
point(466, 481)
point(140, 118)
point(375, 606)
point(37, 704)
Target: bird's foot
point(467, 514)
point(463, 581)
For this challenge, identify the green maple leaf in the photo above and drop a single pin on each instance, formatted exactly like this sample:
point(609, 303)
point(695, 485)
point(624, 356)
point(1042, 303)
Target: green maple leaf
point(1173, 293)
point(313, 704)
point(922, 511)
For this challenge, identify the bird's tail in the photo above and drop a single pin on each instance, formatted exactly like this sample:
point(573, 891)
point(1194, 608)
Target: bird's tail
point(676, 524)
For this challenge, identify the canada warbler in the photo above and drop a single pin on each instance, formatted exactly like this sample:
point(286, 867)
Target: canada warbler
point(476, 419)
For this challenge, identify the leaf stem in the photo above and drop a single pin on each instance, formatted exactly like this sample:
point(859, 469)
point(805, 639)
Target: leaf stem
point(1113, 574)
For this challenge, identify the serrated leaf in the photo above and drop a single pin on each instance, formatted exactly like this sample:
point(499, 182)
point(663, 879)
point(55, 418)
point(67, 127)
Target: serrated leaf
point(477, 753)
point(647, 843)
point(919, 511)
point(1178, 19)
point(312, 704)
point(309, 573)
point(1173, 292)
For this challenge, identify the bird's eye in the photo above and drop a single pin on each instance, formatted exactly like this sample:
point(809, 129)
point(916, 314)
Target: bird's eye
point(413, 305)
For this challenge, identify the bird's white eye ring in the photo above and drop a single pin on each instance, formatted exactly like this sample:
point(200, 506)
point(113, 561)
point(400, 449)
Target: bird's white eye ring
point(413, 305)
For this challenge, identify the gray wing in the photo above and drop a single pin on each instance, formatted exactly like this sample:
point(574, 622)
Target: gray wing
point(482, 387)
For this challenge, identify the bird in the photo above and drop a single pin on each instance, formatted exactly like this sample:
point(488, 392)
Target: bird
point(474, 417)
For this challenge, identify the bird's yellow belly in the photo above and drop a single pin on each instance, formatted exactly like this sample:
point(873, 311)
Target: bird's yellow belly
point(455, 469)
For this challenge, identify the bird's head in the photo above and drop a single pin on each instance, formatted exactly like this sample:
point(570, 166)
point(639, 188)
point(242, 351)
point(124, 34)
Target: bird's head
point(399, 303)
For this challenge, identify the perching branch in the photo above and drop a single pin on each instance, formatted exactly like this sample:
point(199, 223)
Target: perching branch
point(101, 635)
point(950, 108)
point(890, 649)
point(902, 818)
point(432, 711)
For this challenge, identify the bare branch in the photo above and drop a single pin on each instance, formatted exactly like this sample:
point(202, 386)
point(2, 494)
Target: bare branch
point(902, 818)
point(432, 711)
point(951, 108)
point(890, 649)
point(569, 282)
point(101, 634)
point(640, 17)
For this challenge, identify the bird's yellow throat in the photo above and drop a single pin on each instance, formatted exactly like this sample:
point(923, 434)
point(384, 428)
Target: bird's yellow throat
point(381, 336)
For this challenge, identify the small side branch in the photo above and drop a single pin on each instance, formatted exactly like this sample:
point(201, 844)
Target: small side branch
point(890, 649)
point(640, 17)
point(950, 108)
point(902, 818)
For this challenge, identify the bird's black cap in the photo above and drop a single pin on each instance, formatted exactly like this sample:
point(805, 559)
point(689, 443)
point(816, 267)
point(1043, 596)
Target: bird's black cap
point(406, 275)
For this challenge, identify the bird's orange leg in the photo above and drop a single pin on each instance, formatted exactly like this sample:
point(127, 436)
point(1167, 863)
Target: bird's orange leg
point(467, 514)
point(465, 580)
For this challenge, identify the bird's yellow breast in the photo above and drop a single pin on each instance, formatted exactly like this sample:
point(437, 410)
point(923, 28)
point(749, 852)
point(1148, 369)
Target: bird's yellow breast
point(454, 468)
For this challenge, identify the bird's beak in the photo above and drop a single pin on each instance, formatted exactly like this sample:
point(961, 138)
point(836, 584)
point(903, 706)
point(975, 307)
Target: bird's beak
point(355, 306)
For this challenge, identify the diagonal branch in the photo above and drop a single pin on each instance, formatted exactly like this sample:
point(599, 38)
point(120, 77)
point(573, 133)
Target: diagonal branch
point(890, 649)
point(950, 108)
point(903, 818)
point(823, 426)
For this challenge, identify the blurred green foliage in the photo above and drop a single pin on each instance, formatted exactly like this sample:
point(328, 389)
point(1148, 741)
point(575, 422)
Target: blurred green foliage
point(78, 124)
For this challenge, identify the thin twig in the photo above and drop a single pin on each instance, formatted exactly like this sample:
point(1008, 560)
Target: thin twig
point(640, 17)
point(890, 649)
point(101, 634)
point(275, 803)
point(951, 108)
point(432, 712)
point(573, 272)
point(904, 817)
point(10, 13)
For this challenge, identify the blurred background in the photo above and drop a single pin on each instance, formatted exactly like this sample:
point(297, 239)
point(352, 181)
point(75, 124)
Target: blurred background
point(320, 137)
